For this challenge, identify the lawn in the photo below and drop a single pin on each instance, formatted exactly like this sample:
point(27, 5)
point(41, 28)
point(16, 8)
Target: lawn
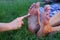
point(11, 9)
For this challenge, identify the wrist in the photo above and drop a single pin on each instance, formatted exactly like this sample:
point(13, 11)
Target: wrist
point(15, 24)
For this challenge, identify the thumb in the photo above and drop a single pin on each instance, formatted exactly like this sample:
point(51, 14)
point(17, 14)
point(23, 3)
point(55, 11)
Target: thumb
point(22, 23)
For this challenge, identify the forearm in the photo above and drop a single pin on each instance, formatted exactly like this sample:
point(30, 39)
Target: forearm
point(13, 25)
point(5, 27)
point(8, 26)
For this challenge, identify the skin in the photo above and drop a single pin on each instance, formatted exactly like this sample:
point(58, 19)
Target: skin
point(33, 11)
point(13, 25)
point(50, 22)
point(55, 22)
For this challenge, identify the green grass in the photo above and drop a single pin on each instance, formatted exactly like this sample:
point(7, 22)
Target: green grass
point(11, 9)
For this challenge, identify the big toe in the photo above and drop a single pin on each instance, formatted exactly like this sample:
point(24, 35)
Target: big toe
point(38, 5)
point(32, 6)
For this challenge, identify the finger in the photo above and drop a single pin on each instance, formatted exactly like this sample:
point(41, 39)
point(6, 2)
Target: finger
point(20, 18)
point(22, 23)
point(25, 16)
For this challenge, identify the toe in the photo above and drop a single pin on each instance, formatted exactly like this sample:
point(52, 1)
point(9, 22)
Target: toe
point(32, 6)
point(38, 5)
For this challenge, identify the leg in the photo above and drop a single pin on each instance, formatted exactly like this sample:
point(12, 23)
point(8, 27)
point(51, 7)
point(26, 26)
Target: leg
point(55, 20)
point(57, 28)
point(48, 29)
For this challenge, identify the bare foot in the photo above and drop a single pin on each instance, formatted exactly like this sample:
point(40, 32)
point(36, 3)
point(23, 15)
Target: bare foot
point(45, 15)
point(33, 19)
point(47, 11)
point(32, 8)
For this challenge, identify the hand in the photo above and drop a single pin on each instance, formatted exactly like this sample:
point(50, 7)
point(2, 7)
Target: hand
point(17, 23)
point(20, 21)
